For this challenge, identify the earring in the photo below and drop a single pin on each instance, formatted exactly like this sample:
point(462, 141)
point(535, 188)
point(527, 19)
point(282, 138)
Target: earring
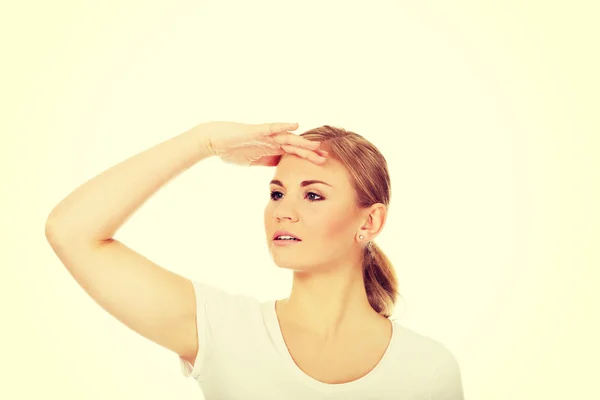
point(361, 237)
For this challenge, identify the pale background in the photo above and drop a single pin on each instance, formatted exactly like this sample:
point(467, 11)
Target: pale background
point(486, 112)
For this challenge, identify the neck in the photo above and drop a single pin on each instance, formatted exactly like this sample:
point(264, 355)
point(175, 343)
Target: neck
point(327, 303)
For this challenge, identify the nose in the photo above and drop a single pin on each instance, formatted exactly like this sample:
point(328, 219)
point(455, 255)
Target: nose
point(285, 210)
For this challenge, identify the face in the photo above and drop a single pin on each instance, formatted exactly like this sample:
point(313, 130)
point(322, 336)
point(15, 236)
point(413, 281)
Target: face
point(323, 215)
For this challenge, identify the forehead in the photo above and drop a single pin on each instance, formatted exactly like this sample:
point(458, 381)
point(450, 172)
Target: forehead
point(294, 168)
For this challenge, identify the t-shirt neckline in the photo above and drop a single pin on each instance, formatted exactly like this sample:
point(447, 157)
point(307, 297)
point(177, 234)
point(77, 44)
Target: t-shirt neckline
point(277, 335)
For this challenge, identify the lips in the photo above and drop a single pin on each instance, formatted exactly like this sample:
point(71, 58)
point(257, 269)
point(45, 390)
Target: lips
point(285, 233)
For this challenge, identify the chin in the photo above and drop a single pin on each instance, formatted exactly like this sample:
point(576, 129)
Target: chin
point(290, 263)
point(293, 266)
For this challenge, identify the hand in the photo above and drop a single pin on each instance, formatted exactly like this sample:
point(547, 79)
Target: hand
point(259, 144)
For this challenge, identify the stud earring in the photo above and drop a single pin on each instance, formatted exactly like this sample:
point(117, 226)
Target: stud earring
point(361, 237)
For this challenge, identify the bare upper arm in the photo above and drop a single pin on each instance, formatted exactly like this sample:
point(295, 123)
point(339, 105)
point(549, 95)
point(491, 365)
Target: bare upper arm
point(151, 300)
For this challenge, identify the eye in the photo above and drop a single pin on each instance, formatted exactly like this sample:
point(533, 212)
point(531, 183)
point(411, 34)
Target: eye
point(275, 193)
point(319, 197)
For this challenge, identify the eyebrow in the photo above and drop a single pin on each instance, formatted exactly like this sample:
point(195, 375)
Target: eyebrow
point(302, 184)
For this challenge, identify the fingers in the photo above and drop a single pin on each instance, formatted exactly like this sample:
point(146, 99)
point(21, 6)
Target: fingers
point(273, 161)
point(279, 133)
point(270, 129)
point(296, 140)
point(322, 153)
point(301, 146)
point(304, 153)
point(268, 161)
point(291, 143)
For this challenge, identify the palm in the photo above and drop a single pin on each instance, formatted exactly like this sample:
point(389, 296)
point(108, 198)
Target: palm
point(264, 153)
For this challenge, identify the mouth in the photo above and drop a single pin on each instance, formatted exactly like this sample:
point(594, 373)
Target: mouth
point(286, 242)
point(285, 237)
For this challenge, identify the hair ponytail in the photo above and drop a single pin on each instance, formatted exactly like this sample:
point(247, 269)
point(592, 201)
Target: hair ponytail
point(381, 283)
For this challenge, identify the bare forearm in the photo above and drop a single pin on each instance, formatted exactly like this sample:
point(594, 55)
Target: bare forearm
point(98, 208)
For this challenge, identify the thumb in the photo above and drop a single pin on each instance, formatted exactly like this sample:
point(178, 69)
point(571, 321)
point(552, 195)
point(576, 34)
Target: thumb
point(267, 161)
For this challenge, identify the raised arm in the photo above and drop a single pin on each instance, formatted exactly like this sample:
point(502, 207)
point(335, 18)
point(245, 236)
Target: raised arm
point(153, 301)
point(149, 299)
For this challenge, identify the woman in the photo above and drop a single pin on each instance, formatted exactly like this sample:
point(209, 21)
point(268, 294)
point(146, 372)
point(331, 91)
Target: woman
point(331, 338)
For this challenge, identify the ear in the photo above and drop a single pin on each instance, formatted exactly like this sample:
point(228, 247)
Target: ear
point(374, 220)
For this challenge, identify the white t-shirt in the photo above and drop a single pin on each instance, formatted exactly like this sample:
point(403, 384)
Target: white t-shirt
point(243, 356)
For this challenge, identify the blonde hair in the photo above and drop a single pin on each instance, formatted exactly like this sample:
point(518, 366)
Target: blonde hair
point(370, 178)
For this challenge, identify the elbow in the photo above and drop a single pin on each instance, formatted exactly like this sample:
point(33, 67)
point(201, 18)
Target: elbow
point(52, 229)
point(57, 231)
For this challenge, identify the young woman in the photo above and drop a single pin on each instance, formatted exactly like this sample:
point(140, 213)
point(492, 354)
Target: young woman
point(331, 338)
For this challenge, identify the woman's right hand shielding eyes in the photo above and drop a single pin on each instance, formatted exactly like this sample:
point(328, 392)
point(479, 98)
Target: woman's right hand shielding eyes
point(259, 144)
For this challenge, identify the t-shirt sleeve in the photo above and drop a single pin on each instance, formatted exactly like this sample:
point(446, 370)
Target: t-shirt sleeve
point(447, 380)
point(216, 312)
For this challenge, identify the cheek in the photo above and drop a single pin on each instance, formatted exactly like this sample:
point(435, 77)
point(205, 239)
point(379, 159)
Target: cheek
point(332, 224)
point(268, 221)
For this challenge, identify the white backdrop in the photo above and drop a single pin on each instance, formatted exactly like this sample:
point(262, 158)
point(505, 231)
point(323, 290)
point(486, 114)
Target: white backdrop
point(482, 109)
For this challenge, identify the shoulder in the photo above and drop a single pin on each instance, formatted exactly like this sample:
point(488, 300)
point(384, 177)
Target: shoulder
point(223, 307)
point(431, 359)
point(410, 340)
